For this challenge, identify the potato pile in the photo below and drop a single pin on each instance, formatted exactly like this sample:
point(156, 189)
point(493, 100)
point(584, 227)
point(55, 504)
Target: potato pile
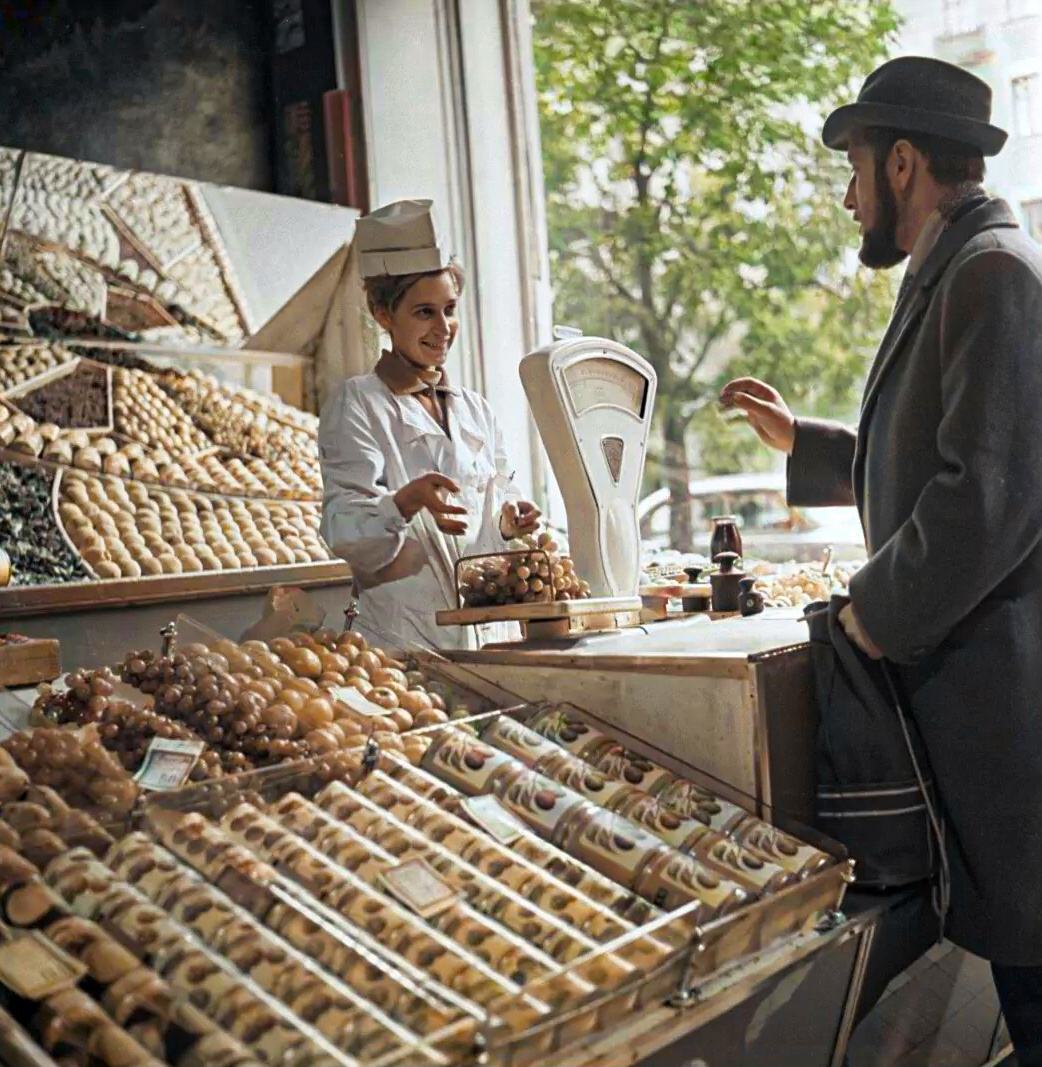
point(21, 362)
point(535, 574)
point(126, 529)
point(75, 764)
point(144, 412)
point(125, 729)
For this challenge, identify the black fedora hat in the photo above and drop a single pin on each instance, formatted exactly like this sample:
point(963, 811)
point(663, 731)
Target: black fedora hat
point(920, 95)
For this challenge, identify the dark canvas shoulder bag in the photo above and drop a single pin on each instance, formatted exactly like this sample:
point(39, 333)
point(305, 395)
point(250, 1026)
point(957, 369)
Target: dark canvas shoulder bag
point(874, 787)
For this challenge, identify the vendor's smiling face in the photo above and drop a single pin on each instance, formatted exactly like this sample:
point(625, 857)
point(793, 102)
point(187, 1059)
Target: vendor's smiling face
point(424, 324)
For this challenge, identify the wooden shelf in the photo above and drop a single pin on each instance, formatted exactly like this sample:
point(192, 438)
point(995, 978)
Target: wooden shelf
point(122, 592)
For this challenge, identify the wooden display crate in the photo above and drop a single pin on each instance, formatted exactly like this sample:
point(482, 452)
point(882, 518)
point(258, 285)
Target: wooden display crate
point(27, 661)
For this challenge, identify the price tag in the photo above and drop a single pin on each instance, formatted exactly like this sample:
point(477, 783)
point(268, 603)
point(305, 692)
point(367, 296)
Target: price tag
point(487, 812)
point(168, 763)
point(350, 696)
point(418, 887)
point(34, 968)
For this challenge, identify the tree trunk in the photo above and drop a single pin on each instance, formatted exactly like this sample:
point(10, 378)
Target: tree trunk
point(677, 478)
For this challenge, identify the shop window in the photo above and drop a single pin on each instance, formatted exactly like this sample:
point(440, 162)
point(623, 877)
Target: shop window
point(1027, 105)
point(1033, 218)
point(1018, 9)
point(960, 16)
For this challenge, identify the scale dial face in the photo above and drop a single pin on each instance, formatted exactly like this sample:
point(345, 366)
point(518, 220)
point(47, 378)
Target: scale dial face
point(603, 382)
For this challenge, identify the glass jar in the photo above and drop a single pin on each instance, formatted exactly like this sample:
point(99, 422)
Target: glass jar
point(726, 537)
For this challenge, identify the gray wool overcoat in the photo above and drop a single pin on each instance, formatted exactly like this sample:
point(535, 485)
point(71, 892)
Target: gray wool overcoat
point(946, 471)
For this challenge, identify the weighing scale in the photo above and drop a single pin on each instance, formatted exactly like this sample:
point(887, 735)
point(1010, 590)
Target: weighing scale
point(592, 400)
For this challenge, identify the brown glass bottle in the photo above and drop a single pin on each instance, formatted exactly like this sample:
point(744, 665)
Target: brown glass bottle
point(726, 537)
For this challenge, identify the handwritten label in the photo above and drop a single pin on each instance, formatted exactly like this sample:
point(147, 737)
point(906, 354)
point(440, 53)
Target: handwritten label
point(418, 887)
point(350, 696)
point(487, 812)
point(34, 967)
point(168, 763)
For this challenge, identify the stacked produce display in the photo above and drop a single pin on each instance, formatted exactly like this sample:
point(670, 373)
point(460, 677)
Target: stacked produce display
point(111, 472)
point(535, 573)
point(371, 911)
point(96, 251)
point(251, 705)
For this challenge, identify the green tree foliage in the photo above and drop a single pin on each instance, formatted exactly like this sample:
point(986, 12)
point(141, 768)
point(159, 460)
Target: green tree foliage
point(694, 214)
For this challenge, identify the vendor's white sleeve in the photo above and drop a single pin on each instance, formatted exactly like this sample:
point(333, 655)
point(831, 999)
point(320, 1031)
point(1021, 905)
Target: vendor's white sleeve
point(501, 488)
point(360, 519)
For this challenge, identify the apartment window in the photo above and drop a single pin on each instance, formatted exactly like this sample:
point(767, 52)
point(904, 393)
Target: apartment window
point(1027, 105)
point(960, 16)
point(1033, 218)
point(1018, 9)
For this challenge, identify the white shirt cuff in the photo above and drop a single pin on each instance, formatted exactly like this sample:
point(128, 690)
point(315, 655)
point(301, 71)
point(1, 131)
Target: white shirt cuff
point(394, 521)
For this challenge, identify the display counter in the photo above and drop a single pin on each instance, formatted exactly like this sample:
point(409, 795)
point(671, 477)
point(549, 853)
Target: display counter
point(730, 700)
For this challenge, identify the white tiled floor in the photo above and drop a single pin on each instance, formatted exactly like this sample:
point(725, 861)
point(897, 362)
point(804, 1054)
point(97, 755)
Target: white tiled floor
point(941, 1012)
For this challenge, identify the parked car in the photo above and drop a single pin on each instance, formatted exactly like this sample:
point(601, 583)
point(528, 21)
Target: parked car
point(770, 529)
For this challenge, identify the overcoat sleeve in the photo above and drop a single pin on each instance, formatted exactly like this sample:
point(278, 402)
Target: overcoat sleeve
point(820, 469)
point(980, 516)
point(360, 520)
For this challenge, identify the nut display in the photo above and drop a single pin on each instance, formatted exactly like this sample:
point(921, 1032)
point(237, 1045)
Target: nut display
point(535, 574)
point(263, 509)
point(289, 921)
point(800, 587)
point(143, 411)
point(248, 424)
point(125, 530)
point(38, 553)
point(79, 399)
point(20, 363)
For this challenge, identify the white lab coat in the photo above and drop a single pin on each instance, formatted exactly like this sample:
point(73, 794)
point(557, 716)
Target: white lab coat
point(372, 443)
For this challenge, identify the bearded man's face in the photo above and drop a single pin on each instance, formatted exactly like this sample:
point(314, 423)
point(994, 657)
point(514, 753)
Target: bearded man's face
point(871, 200)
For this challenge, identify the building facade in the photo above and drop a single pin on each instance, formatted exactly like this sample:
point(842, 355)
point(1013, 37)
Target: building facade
point(1001, 42)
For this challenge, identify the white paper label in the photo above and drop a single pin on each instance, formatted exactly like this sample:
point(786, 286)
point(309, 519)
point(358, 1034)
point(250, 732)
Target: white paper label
point(168, 763)
point(350, 696)
point(487, 812)
point(418, 887)
point(34, 967)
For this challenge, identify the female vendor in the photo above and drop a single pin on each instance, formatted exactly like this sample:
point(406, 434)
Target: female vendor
point(414, 468)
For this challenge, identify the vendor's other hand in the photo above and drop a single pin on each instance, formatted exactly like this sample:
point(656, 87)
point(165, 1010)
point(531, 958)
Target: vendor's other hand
point(429, 492)
point(855, 632)
point(517, 520)
point(764, 410)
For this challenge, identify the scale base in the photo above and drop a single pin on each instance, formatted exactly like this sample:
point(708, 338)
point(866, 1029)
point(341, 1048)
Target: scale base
point(554, 620)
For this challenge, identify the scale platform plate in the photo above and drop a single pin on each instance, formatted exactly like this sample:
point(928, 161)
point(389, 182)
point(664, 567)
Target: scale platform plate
point(553, 618)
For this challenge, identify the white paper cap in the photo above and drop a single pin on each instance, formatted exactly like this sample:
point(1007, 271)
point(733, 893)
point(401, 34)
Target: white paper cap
point(400, 238)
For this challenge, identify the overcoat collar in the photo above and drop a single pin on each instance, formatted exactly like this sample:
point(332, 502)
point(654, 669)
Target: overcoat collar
point(992, 214)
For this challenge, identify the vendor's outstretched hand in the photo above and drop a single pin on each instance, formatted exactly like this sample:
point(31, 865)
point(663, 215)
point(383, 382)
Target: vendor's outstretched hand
point(517, 520)
point(430, 491)
point(765, 411)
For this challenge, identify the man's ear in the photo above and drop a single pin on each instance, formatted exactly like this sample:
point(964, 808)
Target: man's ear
point(902, 164)
point(383, 318)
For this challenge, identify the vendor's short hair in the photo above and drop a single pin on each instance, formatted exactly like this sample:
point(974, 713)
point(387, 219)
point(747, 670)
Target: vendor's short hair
point(949, 162)
point(386, 291)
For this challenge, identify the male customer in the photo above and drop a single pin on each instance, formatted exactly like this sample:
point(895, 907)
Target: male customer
point(946, 471)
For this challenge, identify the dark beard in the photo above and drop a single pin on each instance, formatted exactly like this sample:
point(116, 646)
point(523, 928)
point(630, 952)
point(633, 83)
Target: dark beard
point(879, 245)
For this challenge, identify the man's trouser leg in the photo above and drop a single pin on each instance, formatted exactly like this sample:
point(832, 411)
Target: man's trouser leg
point(1020, 994)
